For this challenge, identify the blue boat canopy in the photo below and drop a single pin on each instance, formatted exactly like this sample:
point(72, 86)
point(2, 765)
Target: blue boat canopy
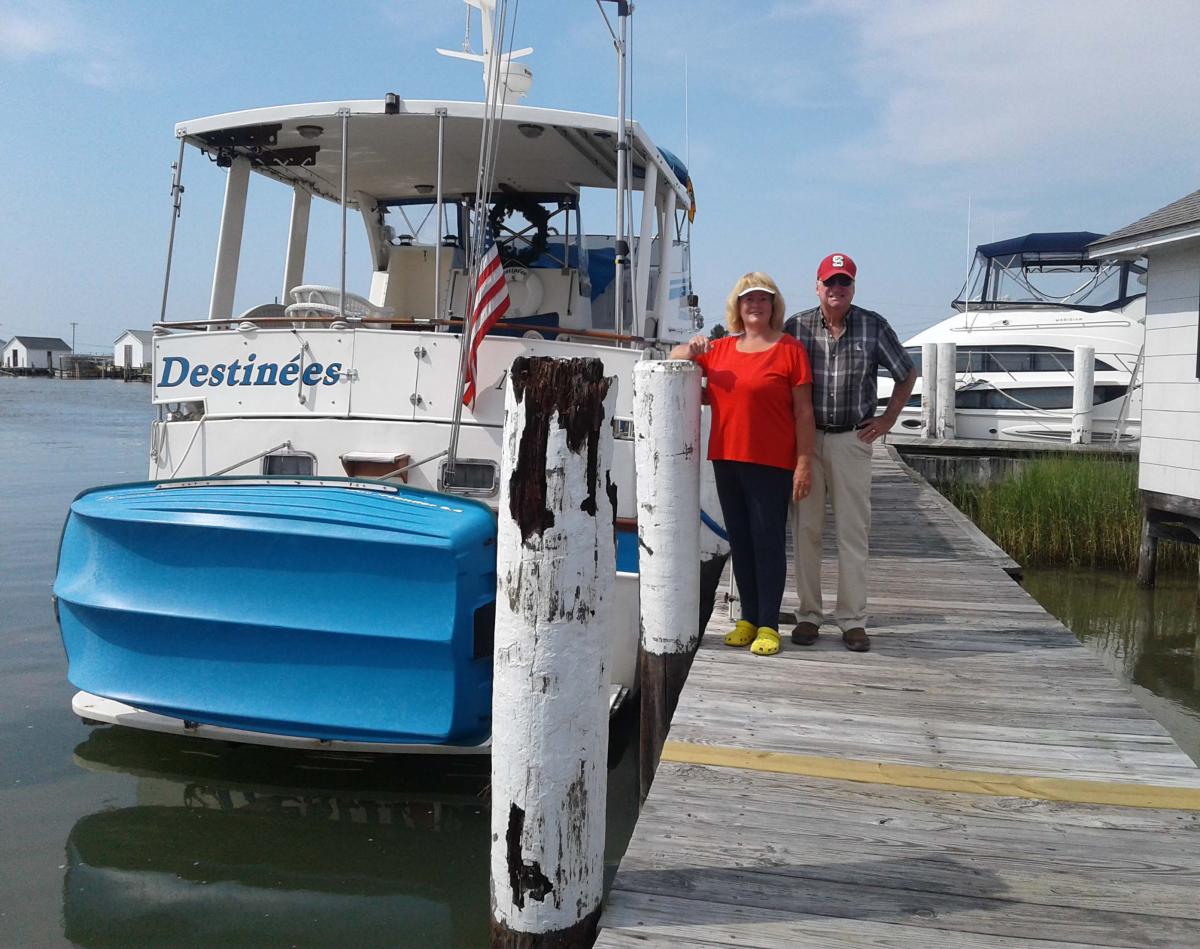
point(1060, 242)
point(1048, 269)
point(676, 164)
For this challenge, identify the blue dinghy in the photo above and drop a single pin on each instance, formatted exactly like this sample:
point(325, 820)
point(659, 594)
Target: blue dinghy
point(332, 610)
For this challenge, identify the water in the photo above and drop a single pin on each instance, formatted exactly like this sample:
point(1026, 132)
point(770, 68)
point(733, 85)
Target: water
point(1150, 638)
point(113, 837)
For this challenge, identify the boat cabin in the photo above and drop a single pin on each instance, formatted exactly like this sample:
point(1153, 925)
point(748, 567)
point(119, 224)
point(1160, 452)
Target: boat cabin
point(408, 172)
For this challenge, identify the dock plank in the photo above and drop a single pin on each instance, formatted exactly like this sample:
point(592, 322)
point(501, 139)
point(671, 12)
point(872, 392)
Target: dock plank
point(967, 674)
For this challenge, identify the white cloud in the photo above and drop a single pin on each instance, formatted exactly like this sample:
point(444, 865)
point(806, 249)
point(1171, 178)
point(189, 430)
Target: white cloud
point(66, 34)
point(1093, 84)
point(25, 36)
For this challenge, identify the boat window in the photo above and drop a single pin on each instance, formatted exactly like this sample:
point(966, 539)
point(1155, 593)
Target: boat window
point(414, 221)
point(290, 464)
point(1019, 359)
point(471, 477)
point(1041, 270)
point(914, 353)
point(1066, 283)
point(1012, 359)
point(1034, 397)
point(1041, 397)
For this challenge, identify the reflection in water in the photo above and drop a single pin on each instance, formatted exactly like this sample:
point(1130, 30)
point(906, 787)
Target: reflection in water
point(242, 846)
point(238, 845)
point(1149, 637)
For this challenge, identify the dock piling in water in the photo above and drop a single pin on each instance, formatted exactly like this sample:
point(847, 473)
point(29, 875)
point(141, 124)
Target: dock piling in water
point(556, 568)
point(929, 390)
point(1082, 397)
point(667, 449)
point(947, 367)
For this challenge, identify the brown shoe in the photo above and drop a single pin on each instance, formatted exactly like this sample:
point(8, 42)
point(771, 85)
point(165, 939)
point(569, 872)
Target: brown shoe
point(857, 640)
point(805, 634)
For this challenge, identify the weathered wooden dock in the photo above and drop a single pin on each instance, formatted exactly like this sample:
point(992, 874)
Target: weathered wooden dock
point(978, 779)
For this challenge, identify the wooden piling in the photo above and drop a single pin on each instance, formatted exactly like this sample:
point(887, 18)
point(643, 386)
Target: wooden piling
point(1147, 565)
point(667, 448)
point(929, 390)
point(556, 567)
point(947, 368)
point(1083, 398)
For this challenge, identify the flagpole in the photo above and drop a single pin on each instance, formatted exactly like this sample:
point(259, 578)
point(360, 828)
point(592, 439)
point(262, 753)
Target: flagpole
point(492, 96)
point(622, 246)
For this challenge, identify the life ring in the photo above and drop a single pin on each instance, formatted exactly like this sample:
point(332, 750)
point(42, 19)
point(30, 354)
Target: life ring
point(525, 291)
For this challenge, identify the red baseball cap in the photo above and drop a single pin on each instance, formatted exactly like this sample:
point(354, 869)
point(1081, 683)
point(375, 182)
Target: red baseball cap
point(835, 264)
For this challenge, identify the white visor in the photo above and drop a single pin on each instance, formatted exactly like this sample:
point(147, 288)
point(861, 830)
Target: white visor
point(752, 289)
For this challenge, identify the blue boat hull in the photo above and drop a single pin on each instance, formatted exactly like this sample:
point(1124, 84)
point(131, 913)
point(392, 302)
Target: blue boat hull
point(323, 611)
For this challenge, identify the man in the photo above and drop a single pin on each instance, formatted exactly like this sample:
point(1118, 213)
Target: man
point(846, 346)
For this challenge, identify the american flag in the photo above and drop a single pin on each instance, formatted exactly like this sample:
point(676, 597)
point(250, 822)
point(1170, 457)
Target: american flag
point(490, 303)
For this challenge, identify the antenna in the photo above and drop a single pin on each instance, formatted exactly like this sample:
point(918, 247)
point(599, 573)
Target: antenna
point(515, 78)
point(687, 139)
point(970, 258)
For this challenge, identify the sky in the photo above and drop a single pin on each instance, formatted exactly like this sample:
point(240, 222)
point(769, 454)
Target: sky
point(901, 133)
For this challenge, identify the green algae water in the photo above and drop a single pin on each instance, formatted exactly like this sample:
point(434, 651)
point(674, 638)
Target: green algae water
point(1150, 638)
point(112, 837)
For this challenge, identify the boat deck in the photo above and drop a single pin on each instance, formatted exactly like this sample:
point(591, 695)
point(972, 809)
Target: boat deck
point(978, 779)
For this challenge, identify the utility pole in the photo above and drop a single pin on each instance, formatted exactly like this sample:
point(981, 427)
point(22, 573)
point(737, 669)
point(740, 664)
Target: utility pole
point(74, 323)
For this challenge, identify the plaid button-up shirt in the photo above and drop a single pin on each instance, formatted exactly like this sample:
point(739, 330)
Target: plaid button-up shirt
point(845, 369)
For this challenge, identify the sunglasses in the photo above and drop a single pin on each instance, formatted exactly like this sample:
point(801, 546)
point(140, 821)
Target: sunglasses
point(838, 280)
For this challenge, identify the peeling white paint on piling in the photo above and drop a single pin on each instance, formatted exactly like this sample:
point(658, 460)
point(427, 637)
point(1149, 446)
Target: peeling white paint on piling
point(556, 564)
point(667, 452)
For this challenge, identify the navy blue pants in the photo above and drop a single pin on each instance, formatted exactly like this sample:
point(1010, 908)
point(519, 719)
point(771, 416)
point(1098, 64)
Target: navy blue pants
point(754, 502)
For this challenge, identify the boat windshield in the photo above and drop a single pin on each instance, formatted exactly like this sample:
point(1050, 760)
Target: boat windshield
point(1049, 270)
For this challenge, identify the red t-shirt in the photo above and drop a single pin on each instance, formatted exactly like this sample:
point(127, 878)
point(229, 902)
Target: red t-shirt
point(751, 399)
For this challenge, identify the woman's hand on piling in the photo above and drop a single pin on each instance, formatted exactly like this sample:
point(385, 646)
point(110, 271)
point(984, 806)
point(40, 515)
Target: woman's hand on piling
point(694, 347)
point(801, 479)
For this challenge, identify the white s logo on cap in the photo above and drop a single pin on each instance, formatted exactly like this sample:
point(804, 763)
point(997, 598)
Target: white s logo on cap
point(839, 260)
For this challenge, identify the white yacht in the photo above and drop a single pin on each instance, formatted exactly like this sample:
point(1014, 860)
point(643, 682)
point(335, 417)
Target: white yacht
point(312, 560)
point(1026, 304)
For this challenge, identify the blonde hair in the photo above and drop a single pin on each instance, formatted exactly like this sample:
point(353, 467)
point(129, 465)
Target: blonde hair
point(733, 315)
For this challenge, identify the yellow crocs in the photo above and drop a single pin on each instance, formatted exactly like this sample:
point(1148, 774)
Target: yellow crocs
point(767, 643)
point(741, 635)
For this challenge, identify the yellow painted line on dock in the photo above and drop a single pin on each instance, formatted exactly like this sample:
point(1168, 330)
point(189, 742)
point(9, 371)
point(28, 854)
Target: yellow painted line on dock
point(995, 784)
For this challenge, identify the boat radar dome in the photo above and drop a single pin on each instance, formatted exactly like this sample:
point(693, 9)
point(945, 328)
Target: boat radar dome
point(516, 79)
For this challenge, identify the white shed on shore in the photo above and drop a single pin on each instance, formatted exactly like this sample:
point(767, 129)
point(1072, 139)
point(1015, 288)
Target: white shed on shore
point(34, 352)
point(1169, 468)
point(133, 348)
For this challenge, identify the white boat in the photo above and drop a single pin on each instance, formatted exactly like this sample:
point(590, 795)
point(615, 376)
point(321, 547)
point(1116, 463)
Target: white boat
point(220, 606)
point(1027, 303)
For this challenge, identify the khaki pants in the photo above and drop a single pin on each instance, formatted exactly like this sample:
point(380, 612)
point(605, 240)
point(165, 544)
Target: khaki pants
point(841, 468)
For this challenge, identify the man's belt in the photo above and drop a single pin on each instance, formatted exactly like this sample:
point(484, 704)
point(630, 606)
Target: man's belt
point(837, 429)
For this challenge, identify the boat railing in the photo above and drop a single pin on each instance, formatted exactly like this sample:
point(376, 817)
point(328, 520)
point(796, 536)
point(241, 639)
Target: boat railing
point(436, 326)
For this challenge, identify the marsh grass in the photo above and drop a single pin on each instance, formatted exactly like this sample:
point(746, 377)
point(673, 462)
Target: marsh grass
point(1078, 512)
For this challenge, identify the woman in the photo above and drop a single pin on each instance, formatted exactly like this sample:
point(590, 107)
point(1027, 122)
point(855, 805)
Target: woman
point(760, 390)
